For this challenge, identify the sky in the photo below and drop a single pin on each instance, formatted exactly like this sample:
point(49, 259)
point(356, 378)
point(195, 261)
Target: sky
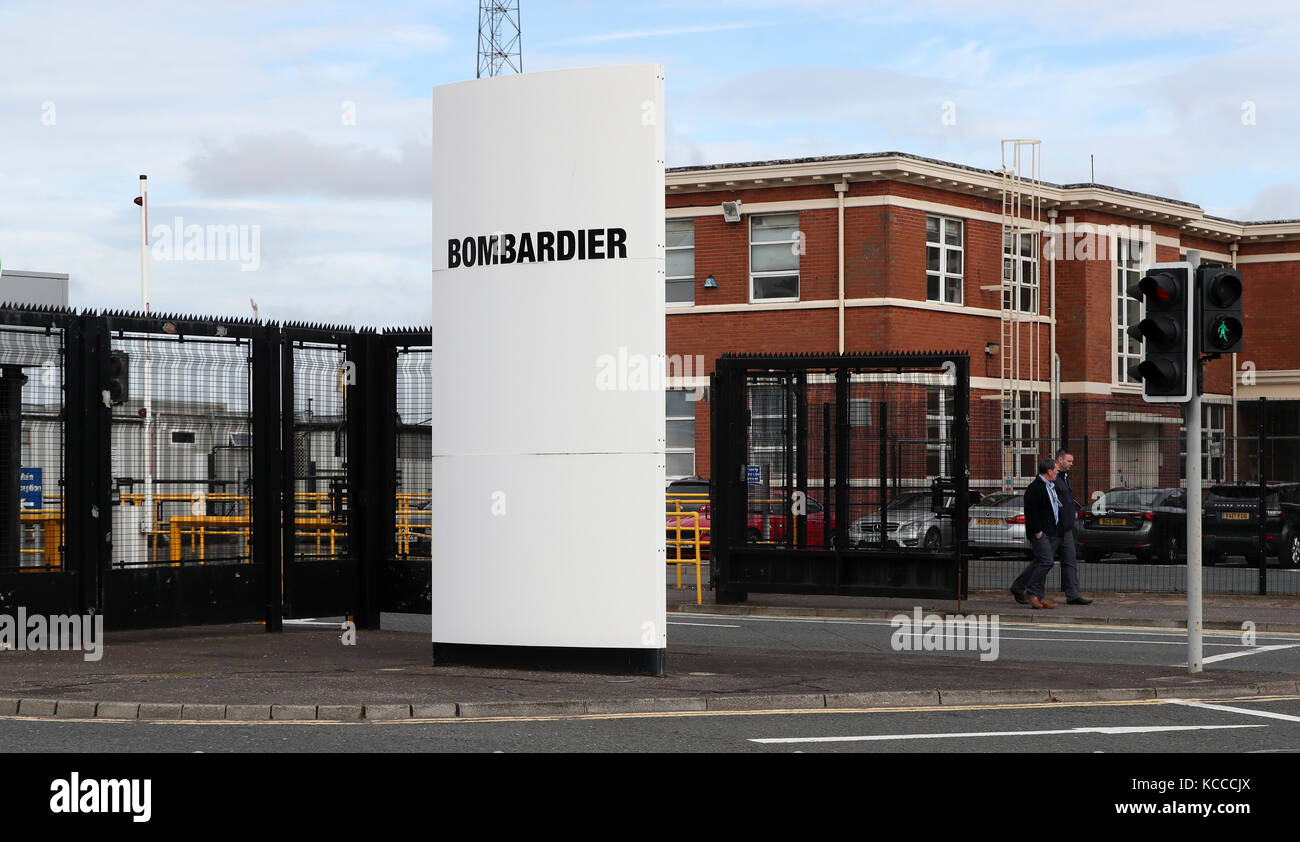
point(305, 127)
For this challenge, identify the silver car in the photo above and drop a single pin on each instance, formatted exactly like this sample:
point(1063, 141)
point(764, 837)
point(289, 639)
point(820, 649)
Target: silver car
point(997, 524)
point(911, 524)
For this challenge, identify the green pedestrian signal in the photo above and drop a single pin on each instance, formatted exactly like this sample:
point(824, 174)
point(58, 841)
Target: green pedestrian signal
point(1220, 309)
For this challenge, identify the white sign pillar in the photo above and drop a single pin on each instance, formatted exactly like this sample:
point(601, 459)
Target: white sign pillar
point(548, 366)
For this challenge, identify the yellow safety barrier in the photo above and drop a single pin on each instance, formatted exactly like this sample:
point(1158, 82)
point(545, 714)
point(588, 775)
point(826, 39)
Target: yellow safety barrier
point(685, 533)
point(51, 523)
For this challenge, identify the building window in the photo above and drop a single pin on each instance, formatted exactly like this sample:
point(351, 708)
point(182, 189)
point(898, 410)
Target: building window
point(775, 243)
point(1128, 312)
point(1213, 444)
point(943, 259)
point(1020, 435)
point(1020, 272)
point(938, 431)
point(679, 253)
point(768, 408)
point(680, 416)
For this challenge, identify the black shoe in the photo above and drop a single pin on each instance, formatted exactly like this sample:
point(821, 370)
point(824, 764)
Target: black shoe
point(1020, 596)
point(1079, 600)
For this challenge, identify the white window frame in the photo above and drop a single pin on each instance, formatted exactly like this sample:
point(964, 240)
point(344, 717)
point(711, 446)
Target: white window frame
point(690, 406)
point(678, 278)
point(794, 246)
point(943, 420)
point(1010, 259)
point(1125, 272)
point(1017, 428)
point(945, 249)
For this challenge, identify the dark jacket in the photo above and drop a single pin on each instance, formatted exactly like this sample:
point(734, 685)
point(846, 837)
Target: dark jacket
point(1038, 510)
point(1069, 509)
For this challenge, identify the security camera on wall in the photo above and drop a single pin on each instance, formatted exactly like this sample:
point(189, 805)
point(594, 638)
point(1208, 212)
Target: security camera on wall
point(731, 211)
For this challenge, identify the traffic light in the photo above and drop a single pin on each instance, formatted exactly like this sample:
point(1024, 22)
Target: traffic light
point(1168, 348)
point(1220, 316)
point(119, 381)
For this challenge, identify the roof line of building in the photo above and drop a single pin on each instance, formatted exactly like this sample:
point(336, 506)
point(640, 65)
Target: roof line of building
point(867, 156)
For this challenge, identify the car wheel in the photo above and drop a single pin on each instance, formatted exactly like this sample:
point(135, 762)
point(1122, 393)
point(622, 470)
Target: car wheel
point(1169, 549)
point(830, 545)
point(1290, 554)
point(1213, 559)
point(933, 540)
point(1091, 556)
point(1142, 556)
point(1254, 559)
point(753, 536)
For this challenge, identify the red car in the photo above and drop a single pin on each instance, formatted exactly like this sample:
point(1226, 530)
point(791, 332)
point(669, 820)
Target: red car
point(769, 520)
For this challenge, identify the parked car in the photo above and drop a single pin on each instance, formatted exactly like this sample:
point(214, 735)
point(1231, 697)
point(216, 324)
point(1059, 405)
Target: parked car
point(768, 521)
point(997, 524)
point(911, 522)
point(1231, 524)
point(1150, 523)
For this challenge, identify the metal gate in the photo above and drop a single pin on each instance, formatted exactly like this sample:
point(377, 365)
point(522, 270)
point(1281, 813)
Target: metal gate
point(840, 475)
point(191, 491)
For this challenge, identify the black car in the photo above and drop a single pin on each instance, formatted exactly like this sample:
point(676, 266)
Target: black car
point(1232, 525)
point(1150, 523)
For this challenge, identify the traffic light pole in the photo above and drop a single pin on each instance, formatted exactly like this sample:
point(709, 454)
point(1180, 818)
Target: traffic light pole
point(1195, 664)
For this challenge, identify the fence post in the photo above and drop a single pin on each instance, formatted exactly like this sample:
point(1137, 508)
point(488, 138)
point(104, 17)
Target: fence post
point(842, 512)
point(1263, 497)
point(268, 468)
point(1065, 424)
point(1087, 463)
point(829, 517)
point(883, 470)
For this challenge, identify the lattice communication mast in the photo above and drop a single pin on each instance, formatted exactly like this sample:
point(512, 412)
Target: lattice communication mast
point(499, 45)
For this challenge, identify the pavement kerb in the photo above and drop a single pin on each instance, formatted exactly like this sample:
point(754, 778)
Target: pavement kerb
point(864, 700)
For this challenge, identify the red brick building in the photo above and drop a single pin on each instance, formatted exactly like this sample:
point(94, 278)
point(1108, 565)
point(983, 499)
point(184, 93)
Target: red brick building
point(893, 252)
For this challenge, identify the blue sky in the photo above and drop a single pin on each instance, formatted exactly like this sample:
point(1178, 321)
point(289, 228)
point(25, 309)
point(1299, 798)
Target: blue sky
point(237, 113)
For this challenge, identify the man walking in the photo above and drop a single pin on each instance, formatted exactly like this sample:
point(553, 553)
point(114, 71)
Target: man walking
point(1043, 532)
point(1068, 514)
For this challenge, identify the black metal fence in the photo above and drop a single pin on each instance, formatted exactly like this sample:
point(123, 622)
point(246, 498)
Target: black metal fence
point(1129, 478)
point(824, 469)
point(172, 470)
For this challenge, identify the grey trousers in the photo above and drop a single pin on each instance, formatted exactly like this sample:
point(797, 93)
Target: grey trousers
point(1033, 578)
point(1069, 566)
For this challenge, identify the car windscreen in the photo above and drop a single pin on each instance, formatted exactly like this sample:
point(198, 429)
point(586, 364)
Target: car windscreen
point(1001, 500)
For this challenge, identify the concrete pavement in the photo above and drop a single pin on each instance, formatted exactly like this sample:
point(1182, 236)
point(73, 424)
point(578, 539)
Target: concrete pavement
point(239, 672)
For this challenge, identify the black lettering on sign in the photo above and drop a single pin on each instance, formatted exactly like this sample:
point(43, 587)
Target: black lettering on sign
point(537, 247)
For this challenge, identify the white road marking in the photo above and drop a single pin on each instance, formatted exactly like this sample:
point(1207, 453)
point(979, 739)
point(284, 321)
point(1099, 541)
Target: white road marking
point(1044, 628)
point(1106, 729)
point(704, 625)
point(1267, 714)
point(1254, 650)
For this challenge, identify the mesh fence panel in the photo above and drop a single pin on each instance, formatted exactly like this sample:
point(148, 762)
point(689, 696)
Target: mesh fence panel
point(414, 452)
point(32, 448)
point(182, 452)
point(320, 451)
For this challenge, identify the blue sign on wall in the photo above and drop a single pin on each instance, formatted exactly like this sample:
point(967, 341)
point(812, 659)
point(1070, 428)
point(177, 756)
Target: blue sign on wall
point(30, 488)
point(753, 473)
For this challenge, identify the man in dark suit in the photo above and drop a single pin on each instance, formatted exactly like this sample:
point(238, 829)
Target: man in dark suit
point(1043, 532)
point(1068, 514)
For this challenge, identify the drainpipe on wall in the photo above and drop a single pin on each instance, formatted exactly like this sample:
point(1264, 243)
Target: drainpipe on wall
point(841, 188)
point(1054, 360)
point(1232, 250)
